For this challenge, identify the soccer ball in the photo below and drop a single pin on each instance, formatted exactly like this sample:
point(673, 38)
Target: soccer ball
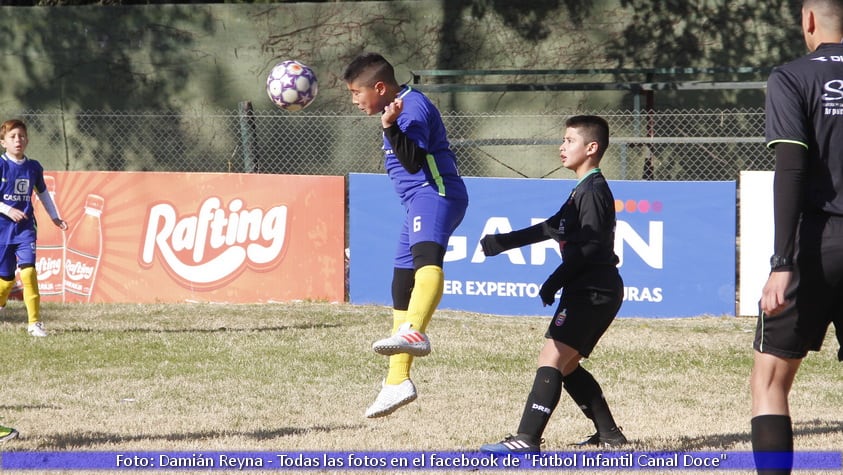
point(291, 85)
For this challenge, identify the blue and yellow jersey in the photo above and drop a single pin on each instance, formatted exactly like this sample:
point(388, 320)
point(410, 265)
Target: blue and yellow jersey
point(421, 122)
point(18, 181)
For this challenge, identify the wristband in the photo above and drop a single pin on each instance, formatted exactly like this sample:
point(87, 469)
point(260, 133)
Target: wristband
point(777, 262)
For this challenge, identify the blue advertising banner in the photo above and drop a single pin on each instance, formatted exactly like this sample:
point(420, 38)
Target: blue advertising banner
point(675, 241)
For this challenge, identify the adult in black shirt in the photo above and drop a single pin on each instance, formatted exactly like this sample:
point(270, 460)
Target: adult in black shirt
point(804, 292)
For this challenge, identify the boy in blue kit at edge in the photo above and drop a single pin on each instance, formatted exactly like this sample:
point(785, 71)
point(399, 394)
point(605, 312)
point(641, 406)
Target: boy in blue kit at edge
point(592, 292)
point(21, 176)
point(423, 170)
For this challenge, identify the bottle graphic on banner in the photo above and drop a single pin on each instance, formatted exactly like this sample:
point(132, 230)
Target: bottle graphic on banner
point(49, 248)
point(83, 252)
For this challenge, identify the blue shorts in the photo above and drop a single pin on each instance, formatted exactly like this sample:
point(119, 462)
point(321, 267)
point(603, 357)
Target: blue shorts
point(15, 255)
point(429, 217)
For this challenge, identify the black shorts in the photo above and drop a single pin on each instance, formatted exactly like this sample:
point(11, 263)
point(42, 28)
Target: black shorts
point(815, 293)
point(584, 315)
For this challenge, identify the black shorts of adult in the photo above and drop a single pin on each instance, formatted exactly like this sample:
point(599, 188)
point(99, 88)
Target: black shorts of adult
point(583, 316)
point(815, 293)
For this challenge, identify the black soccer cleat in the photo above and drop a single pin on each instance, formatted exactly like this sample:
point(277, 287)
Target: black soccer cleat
point(609, 440)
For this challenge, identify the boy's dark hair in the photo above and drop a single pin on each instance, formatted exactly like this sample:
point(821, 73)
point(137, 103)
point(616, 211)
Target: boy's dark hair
point(369, 68)
point(593, 129)
point(11, 124)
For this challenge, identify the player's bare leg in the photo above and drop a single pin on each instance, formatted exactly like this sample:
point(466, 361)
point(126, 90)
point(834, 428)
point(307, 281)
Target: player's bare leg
point(771, 380)
point(772, 430)
point(558, 355)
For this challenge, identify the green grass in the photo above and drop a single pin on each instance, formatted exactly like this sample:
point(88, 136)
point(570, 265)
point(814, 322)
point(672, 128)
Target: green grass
point(299, 376)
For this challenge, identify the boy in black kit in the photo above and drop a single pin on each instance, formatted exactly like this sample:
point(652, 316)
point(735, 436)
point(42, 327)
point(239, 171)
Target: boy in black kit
point(584, 227)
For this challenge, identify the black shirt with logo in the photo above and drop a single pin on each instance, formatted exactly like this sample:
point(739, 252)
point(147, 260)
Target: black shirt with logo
point(804, 106)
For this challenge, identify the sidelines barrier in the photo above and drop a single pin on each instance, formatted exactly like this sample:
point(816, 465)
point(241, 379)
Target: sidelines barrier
point(168, 237)
point(173, 237)
point(676, 242)
point(756, 238)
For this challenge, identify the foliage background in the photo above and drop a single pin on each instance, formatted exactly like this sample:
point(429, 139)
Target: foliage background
point(140, 86)
point(195, 57)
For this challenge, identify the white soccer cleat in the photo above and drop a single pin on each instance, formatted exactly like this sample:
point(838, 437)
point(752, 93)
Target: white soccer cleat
point(392, 397)
point(37, 329)
point(405, 340)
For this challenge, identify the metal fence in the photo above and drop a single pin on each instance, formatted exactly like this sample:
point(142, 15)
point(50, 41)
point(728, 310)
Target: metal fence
point(711, 144)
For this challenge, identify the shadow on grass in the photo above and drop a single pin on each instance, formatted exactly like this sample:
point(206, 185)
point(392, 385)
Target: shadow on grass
point(24, 407)
point(277, 328)
point(727, 441)
point(12, 316)
point(94, 439)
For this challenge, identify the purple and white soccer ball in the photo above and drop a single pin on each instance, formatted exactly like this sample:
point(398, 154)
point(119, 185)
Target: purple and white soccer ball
point(291, 85)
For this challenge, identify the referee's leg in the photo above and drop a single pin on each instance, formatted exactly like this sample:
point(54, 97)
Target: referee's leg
point(772, 431)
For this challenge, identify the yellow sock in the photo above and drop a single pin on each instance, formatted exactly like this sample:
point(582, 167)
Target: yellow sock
point(5, 289)
point(427, 292)
point(399, 368)
point(398, 319)
point(399, 365)
point(31, 297)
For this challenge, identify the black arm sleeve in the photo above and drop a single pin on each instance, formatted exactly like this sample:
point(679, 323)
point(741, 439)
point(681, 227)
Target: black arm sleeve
point(524, 237)
point(494, 244)
point(409, 154)
point(788, 196)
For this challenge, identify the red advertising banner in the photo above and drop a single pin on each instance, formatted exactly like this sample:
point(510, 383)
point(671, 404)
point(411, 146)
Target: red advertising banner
point(209, 237)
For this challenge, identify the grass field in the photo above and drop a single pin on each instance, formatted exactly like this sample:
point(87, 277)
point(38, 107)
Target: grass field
point(269, 377)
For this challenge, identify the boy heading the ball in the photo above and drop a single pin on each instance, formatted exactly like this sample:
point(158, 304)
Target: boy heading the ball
point(592, 292)
point(423, 170)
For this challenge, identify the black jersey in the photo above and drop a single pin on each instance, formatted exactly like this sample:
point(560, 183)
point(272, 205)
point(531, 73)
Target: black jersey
point(805, 107)
point(584, 227)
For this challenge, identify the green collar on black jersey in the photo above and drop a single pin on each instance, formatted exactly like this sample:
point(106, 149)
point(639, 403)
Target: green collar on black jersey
point(590, 172)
